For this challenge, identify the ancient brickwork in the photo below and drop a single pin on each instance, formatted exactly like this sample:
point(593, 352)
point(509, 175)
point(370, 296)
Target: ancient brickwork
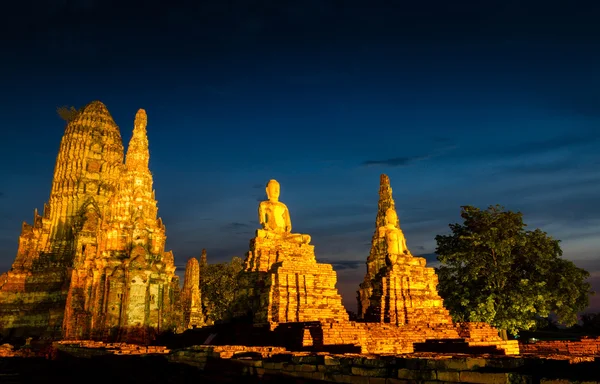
point(190, 296)
point(586, 346)
point(377, 255)
point(281, 276)
point(398, 287)
point(33, 292)
point(94, 265)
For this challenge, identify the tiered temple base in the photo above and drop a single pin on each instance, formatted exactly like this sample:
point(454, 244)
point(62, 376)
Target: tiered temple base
point(406, 293)
point(378, 338)
point(288, 285)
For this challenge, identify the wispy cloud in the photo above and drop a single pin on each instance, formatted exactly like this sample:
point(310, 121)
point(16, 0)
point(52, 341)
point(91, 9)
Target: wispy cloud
point(406, 161)
point(396, 161)
point(238, 228)
point(565, 141)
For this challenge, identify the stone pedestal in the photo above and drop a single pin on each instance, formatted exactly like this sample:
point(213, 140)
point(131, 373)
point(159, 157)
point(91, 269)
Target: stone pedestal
point(406, 293)
point(284, 283)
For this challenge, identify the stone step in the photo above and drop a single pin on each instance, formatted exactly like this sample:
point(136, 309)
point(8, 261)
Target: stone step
point(455, 346)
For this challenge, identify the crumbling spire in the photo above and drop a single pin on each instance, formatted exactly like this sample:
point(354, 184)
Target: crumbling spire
point(90, 150)
point(138, 155)
point(191, 299)
point(386, 201)
point(203, 264)
point(377, 256)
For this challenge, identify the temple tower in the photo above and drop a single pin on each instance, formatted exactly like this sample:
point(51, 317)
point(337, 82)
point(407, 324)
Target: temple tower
point(124, 283)
point(398, 287)
point(376, 259)
point(88, 168)
point(94, 265)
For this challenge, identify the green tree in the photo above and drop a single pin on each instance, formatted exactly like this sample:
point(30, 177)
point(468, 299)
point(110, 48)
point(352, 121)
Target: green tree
point(495, 271)
point(218, 286)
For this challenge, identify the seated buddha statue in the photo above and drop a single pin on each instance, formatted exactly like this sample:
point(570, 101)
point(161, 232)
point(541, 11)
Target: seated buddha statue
point(274, 217)
point(394, 238)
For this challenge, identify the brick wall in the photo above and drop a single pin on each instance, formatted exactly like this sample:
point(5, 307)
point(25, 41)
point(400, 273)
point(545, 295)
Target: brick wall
point(585, 346)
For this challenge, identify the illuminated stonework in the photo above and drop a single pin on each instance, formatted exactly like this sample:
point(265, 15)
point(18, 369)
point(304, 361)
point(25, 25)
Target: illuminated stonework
point(281, 277)
point(190, 296)
point(94, 265)
point(398, 288)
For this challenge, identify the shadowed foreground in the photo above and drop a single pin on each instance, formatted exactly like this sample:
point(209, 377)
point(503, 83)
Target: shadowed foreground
point(112, 369)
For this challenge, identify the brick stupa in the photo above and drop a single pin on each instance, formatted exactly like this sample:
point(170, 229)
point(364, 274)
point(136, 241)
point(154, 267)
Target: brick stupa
point(398, 287)
point(282, 280)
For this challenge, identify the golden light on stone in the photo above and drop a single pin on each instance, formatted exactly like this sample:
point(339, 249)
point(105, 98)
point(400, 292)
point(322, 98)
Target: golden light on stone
point(74, 266)
point(94, 265)
point(293, 286)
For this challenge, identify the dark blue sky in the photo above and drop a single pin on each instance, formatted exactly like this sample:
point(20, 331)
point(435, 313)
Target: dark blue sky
point(459, 103)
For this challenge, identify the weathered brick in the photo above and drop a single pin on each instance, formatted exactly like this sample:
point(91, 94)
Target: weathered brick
point(306, 368)
point(451, 376)
point(484, 378)
point(404, 373)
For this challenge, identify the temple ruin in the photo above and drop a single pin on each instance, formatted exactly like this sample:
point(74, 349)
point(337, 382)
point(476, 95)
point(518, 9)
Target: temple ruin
point(398, 288)
point(93, 265)
point(283, 280)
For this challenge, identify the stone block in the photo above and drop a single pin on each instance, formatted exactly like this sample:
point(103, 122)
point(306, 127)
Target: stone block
point(306, 368)
point(410, 374)
point(371, 372)
point(273, 365)
point(484, 377)
point(450, 376)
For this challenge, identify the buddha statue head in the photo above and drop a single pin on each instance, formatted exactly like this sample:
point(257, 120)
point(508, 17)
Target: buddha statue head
point(273, 190)
point(391, 217)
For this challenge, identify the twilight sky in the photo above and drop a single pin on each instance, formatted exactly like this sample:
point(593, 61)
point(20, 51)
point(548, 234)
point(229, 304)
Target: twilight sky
point(473, 102)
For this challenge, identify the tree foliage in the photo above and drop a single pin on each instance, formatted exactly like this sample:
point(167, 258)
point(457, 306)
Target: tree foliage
point(218, 286)
point(493, 270)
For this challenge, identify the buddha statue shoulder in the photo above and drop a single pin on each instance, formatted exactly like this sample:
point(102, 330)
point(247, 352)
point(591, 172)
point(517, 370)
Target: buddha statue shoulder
point(274, 217)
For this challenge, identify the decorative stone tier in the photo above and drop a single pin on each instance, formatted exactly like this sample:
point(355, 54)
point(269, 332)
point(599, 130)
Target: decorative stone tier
point(406, 293)
point(266, 252)
point(285, 284)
